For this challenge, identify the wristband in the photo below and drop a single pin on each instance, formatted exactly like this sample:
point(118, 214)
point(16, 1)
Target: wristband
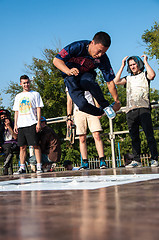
point(69, 117)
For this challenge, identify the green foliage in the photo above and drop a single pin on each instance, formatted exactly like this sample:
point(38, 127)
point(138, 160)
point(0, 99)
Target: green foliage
point(1, 100)
point(70, 152)
point(12, 89)
point(151, 38)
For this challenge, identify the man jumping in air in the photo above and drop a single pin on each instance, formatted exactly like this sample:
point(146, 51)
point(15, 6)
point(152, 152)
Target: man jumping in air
point(78, 62)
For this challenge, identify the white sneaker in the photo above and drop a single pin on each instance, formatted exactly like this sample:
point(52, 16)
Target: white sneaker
point(133, 164)
point(154, 163)
point(110, 111)
point(39, 171)
point(20, 171)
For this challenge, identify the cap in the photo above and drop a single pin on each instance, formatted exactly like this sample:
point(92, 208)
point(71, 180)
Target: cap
point(4, 111)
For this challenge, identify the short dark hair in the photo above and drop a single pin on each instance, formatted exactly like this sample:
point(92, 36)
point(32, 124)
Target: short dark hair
point(103, 38)
point(24, 77)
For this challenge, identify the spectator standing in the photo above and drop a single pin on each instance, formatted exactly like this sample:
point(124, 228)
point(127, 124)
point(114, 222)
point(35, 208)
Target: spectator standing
point(27, 125)
point(138, 105)
point(82, 120)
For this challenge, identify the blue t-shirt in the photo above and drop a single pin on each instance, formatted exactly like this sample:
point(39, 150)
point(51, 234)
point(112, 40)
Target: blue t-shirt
point(76, 55)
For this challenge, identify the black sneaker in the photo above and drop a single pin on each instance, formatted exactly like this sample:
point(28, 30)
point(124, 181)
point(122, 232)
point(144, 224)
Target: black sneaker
point(20, 171)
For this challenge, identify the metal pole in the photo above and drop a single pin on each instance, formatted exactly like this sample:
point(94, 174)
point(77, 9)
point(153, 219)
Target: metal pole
point(112, 139)
point(119, 153)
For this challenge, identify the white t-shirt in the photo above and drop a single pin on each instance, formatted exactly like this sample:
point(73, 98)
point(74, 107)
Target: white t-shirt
point(26, 104)
point(137, 88)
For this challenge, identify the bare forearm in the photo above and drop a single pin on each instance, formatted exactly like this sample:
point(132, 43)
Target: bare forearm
point(118, 80)
point(69, 104)
point(61, 65)
point(15, 118)
point(38, 125)
point(113, 91)
point(69, 110)
point(150, 72)
point(38, 114)
point(15, 122)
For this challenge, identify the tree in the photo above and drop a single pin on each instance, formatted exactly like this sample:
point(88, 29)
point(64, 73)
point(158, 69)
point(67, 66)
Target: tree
point(151, 38)
point(1, 100)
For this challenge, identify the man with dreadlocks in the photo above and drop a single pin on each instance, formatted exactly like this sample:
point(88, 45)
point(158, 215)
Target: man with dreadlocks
point(138, 105)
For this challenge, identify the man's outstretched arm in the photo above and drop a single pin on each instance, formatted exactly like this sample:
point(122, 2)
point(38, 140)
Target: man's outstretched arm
point(113, 92)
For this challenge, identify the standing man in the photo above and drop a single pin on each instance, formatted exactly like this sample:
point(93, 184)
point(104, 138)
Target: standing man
point(138, 105)
point(78, 62)
point(81, 120)
point(27, 107)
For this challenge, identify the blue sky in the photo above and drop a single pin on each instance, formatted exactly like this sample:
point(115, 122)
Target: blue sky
point(29, 26)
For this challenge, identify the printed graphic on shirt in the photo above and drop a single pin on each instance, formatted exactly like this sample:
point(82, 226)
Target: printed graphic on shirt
point(85, 64)
point(24, 106)
point(111, 71)
point(63, 53)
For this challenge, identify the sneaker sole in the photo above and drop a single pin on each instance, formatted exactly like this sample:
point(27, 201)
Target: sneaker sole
point(133, 166)
point(39, 172)
point(81, 169)
point(17, 173)
point(103, 167)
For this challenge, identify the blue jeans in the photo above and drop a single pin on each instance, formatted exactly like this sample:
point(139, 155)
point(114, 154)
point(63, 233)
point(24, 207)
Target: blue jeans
point(136, 117)
point(76, 88)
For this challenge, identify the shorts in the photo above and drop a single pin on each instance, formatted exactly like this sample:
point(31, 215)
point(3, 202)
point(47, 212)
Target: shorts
point(28, 136)
point(81, 120)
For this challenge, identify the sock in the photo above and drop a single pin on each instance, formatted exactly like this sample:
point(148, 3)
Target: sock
point(85, 160)
point(102, 159)
point(22, 166)
point(38, 166)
